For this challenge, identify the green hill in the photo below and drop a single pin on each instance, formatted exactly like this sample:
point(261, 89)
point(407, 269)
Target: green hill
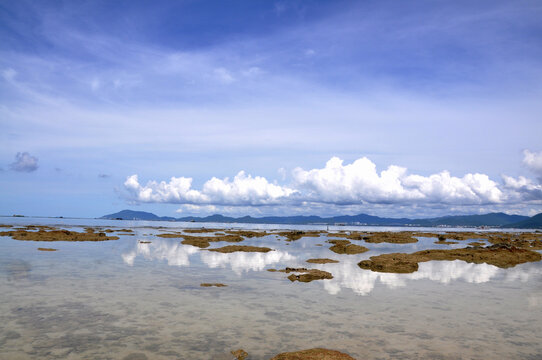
point(534, 222)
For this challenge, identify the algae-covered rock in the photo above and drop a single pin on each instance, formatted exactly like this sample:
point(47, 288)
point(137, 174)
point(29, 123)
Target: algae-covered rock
point(313, 354)
point(200, 230)
point(345, 247)
point(57, 235)
point(322, 261)
point(296, 235)
point(246, 233)
point(244, 248)
point(443, 241)
point(204, 241)
point(212, 285)
point(47, 249)
point(239, 354)
point(502, 255)
point(306, 275)
point(403, 237)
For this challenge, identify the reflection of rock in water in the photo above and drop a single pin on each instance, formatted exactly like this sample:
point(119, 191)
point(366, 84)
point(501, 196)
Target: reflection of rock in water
point(16, 269)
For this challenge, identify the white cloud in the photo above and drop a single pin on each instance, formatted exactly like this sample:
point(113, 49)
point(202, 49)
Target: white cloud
point(339, 184)
point(9, 74)
point(197, 209)
point(223, 75)
point(444, 188)
point(354, 182)
point(360, 182)
point(242, 190)
point(533, 161)
point(523, 188)
point(24, 162)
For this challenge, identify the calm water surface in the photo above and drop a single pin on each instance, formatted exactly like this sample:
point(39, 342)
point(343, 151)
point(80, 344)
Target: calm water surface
point(117, 299)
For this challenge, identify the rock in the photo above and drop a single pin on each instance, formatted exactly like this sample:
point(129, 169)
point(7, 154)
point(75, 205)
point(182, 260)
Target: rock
point(500, 255)
point(204, 241)
point(239, 354)
point(307, 275)
point(212, 284)
point(313, 354)
point(322, 261)
point(57, 235)
point(245, 248)
point(403, 237)
point(296, 235)
point(345, 247)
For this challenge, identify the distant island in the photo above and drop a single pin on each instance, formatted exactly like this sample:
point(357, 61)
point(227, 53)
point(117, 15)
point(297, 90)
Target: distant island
point(491, 219)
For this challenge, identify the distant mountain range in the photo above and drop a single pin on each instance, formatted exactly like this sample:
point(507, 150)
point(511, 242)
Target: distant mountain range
point(534, 222)
point(491, 219)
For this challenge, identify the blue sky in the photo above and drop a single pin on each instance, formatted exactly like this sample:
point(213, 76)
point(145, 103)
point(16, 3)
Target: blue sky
point(391, 108)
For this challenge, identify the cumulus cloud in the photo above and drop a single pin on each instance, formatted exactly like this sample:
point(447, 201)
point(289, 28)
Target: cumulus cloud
point(533, 161)
point(242, 190)
point(523, 188)
point(340, 184)
point(24, 162)
point(360, 182)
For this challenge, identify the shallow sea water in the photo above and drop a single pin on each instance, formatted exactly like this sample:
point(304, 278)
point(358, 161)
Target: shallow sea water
point(125, 299)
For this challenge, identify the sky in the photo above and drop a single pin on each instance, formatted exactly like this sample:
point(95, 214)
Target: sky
point(390, 108)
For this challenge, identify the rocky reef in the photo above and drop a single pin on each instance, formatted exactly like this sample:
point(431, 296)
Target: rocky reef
point(501, 255)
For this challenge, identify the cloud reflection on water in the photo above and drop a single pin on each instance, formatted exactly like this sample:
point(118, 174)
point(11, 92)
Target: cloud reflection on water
point(346, 274)
point(242, 262)
point(349, 275)
point(173, 253)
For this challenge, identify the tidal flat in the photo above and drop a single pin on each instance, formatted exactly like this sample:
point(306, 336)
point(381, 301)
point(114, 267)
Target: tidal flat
point(140, 290)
